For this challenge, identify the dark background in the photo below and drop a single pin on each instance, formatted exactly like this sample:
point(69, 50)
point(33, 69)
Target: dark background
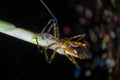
point(20, 60)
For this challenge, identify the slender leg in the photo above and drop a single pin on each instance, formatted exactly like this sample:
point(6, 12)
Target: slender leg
point(45, 50)
point(84, 44)
point(50, 28)
point(47, 47)
point(53, 24)
point(72, 60)
point(37, 42)
point(77, 36)
point(46, 25)
point(56, 31)
point(88, 46)
point(83, 36)
point(46, 56)
point(39, 47)
point(52, 56)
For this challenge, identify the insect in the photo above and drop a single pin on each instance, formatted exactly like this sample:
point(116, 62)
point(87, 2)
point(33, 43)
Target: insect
point(70, 47)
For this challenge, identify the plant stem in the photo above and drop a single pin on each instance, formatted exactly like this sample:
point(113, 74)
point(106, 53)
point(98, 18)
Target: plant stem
point(25, 35)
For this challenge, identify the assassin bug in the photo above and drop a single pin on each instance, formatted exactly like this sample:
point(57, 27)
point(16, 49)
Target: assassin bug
point(69, 47)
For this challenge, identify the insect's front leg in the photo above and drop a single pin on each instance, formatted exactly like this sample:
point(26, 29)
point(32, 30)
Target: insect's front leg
point(72, 60)
point(81, 36)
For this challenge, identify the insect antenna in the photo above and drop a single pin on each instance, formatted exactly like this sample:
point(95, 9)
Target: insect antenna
point(55, 19)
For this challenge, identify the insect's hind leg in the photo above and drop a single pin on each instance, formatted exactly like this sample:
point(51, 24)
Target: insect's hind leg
point(56, 31)
point(55, 27)
point(49, 22)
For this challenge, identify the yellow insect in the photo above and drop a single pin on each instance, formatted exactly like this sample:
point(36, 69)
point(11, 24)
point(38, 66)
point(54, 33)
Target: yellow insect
point(69, 46)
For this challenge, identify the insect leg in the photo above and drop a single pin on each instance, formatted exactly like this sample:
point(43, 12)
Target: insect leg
point(46, 25)
point(72, 60)
point(45, 50)
point(39, 47)
point(37, 42)
point(77, 36)
point(50, 27)
point(56, 31)
point(53, 55)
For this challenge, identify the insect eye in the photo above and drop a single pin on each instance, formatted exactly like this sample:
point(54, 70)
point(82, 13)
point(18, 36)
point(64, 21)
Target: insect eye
point(79, 50)
point(87, 45)
point(80, 53)
point(82, 56)
point(83, 52)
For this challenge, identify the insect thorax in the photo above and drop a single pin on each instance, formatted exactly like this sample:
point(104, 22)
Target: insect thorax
point(45, 35)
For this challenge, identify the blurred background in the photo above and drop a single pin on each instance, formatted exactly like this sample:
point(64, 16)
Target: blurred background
point(99, 19)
